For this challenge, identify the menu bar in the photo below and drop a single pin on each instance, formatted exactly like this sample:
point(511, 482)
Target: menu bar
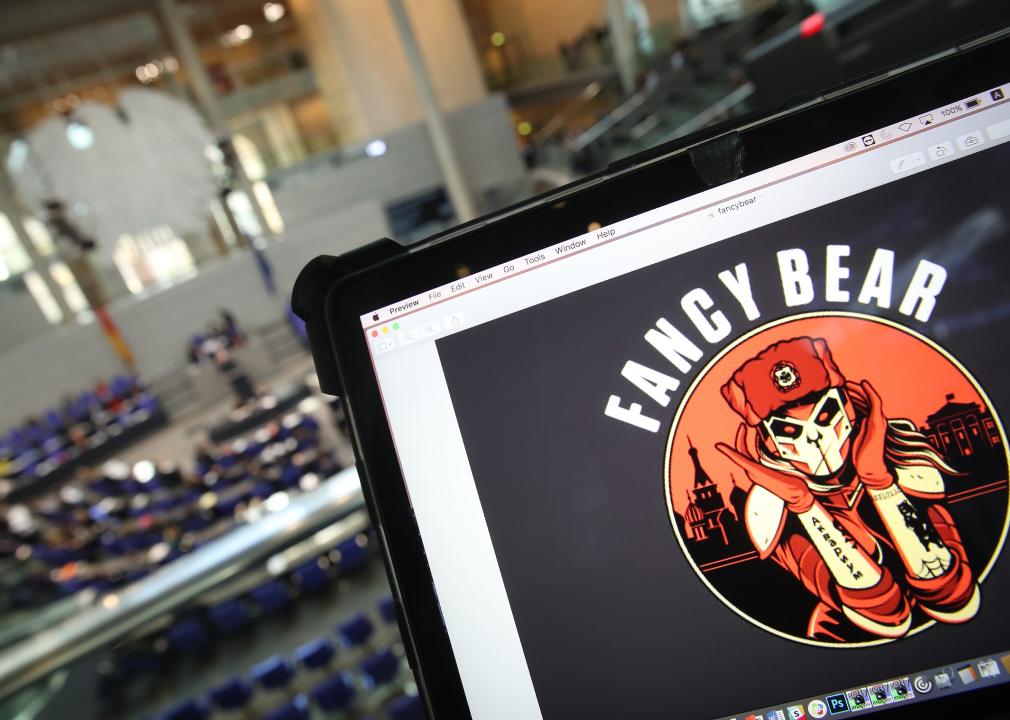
point(932, 118)
point(717, 201)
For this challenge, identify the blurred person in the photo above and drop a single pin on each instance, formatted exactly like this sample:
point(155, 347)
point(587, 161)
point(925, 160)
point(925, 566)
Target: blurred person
point(63, 228)
point(231, 328)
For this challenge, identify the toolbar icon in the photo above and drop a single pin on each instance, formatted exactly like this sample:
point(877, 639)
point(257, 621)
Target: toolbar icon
point(941, 151)
point(988, 668)
point(795, 712)
point(905, 126)
point(859, 699)
point(908, 162)
point(967, 674)
point(996, 94)
point(971, 140)
point(384, 345)
point(922, 685)
point(850, 146)
point(868, 140)
point(880, 695)
point(973, 103)
point(454, 321)
point(432, 327)
point(817, 708)
point(837, 703)
point(926, 119)
point(901, 690)
point(943, 680)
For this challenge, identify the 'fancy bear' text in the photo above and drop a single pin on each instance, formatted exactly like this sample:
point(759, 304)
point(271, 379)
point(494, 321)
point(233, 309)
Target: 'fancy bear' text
point(706, 323)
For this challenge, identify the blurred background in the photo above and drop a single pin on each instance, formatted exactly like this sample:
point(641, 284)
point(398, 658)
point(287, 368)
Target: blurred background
point(182, 534)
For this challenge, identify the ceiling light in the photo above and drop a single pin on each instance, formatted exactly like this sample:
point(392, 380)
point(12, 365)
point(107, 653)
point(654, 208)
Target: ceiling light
point(16, 156)
point(273, 11)
point(79, 135)
point(238, 35)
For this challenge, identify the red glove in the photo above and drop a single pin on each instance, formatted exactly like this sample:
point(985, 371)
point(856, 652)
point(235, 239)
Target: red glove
point(868, 446)
point(791, 489)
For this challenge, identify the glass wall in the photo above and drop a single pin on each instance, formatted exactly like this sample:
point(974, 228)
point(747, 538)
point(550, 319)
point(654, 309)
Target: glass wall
point(253, 53)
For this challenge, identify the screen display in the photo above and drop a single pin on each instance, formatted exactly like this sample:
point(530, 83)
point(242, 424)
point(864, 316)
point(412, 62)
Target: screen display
point(743, 455)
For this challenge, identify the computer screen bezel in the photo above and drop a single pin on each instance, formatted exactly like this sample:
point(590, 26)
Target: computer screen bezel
point(635, 185)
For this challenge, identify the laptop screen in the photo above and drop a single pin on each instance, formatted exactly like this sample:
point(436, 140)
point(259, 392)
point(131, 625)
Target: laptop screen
point(738, 456)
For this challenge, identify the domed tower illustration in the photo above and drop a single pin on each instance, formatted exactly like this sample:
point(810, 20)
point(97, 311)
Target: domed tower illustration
point(703, 517)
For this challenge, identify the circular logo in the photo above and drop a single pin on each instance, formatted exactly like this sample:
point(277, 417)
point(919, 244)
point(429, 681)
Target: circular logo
point(817, 708)
point(922, 685)
point(857, 498)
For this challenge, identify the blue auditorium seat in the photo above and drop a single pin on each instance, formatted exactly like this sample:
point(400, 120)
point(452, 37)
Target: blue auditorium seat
point(196, 523)
point(353, 557)
point(316, 654)
point(308, 422)
point(290, 476)
point(274, 673)
point(232, 694)
point(387, 609)
point(187, 636)
point(139, 662)
point(110, 681)
point(335, 693)
point(296, 709)
point(173, 555)
point(271, 597)
point(226, 508)
point(186, 710)
point(380, 668)
point(407, 707)
point(262, 490)
point(229, 617)
point(135, 575)
point(310, 578)
point(357, 631)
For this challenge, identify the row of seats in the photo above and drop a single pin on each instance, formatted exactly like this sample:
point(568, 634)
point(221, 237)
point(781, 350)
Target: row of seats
point(108, 396)
point(117, 524)
point(191, 635)
point(292, 686)
point(82, 424)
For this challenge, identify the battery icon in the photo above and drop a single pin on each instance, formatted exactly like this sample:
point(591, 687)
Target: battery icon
point(974, 102)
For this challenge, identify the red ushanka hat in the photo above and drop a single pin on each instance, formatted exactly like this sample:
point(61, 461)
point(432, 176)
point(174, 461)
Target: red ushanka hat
point(782, 373)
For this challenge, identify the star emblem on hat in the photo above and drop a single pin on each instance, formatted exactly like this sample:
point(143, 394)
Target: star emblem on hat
point(784, 376)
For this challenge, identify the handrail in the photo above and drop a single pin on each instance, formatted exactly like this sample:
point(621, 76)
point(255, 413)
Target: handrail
point(116, 614)
point(557, 121)
point(609, 121)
